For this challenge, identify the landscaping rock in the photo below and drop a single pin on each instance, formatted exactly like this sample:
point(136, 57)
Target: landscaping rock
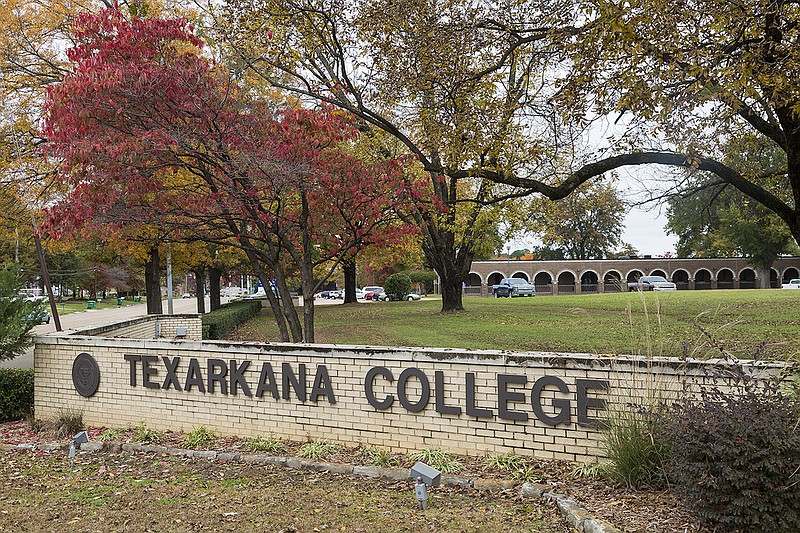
point(533, 490)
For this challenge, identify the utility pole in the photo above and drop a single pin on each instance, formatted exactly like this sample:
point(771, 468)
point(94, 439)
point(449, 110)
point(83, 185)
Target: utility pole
point(169, 279)
point(46, 277)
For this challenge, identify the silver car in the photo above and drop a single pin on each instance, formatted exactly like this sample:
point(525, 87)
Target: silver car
point(652, 283)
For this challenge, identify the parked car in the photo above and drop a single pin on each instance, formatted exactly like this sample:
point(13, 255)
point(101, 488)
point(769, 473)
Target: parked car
point(336, 295)
point(372, 288)
point(793, 284)
point(510, 287)
point(378, 294)
point(396, 298)
point(369, 292)
point(42, 317)
point(652, 283)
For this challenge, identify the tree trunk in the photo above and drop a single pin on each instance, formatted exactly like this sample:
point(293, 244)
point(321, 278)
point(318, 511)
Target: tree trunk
point(764, 275)
point(152, 282)
point(451, 293)
point(214, 276)
point(451, 262)
point(289, 312)
point(308, 303)
point(349, 268)
point(200, 289)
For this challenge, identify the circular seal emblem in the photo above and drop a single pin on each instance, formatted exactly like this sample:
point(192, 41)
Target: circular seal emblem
point(85, 374)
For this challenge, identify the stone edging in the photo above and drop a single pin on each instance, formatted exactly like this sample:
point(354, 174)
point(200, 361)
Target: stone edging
point(574, 514)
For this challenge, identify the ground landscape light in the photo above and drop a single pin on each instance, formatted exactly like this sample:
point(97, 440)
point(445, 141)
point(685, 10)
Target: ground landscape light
point(77, 440)
point(424, 475)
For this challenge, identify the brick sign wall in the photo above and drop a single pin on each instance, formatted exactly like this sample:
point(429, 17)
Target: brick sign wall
point(469, 402)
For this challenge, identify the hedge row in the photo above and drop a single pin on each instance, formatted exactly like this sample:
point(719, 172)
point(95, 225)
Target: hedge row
point(217, 324)
point(16, 393)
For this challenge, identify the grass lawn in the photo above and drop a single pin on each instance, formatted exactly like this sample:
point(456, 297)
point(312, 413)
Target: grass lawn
point(744, 323)
point(66, 307)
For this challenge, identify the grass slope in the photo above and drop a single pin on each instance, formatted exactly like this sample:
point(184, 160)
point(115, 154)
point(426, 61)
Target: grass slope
point(745, 323)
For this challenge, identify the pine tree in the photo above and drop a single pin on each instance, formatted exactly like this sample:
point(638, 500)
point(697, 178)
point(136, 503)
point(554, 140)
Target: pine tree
point(17, 315)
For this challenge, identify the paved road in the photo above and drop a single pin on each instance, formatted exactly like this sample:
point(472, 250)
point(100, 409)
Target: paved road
point(97, 317)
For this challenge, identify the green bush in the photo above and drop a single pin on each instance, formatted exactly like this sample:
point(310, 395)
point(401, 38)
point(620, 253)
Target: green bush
point(397, 285)
point(217, 324)
point(16, 393)
point(426, 277)
point(735, 455)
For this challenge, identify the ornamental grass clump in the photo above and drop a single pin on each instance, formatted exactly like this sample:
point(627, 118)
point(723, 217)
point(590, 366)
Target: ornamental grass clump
point(271, 445)
point(199, 437)
point(734, 454)
point(441, 460)
point(635, 448)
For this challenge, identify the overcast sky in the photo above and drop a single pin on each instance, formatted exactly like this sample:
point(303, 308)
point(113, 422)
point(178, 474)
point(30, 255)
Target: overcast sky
point(644, 230)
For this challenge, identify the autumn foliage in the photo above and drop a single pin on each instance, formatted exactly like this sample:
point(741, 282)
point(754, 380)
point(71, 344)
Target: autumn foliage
point(149, 130)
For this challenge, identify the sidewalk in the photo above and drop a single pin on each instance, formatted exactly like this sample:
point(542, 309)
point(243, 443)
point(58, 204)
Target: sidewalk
point(98, 317)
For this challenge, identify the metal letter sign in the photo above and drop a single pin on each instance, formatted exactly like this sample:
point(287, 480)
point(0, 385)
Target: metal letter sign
point(85, 375)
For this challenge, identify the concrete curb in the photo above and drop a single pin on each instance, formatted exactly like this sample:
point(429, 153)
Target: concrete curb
point(572, 512)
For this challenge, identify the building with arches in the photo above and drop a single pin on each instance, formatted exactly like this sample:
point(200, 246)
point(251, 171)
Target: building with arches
point(613, 275)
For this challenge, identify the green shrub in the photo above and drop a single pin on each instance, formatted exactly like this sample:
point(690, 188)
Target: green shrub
point(633, 443)
point(378, 457)
point(318, 450)
point(199, 437)
point(506, 461)
point(398, 285)
point(265, 444)
point(217, 324)
point(16, 393)
point(441, 460)
point(426, 277)
point(110, 435)
point(735, 455)
point(144, 434)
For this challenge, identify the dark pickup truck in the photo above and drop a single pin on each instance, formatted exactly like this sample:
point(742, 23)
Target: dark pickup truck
point(510, 287)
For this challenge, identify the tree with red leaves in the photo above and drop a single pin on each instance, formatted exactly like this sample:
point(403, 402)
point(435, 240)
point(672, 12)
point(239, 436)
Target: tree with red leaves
point(148, 125)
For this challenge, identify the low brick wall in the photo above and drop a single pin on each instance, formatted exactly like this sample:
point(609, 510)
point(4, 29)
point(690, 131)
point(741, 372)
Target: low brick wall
point(190, 327)
point(545, 405)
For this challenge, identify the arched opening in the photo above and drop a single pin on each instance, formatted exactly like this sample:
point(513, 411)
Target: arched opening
point(543, 282)
point(520, 275)
point(790, 273)
point(612, 281)
point(634, 275)
point(681, 279)
point(747, 278)
point(725, 279)
point(566, 283)
point(589, 281)
point(774, 279)
point(659, 272)
point(702, 279)
point(494, 278)
point(473, 284)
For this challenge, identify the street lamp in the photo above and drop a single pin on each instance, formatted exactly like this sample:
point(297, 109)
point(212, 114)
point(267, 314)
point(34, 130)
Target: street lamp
point(508, 263)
